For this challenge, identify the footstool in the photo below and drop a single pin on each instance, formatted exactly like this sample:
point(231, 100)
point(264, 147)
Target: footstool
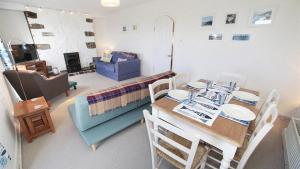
point(73, 84)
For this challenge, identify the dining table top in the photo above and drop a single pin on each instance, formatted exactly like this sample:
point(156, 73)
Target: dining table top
point(222, 128)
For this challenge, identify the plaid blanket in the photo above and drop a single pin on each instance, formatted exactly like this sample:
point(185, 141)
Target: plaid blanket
point(119, 96)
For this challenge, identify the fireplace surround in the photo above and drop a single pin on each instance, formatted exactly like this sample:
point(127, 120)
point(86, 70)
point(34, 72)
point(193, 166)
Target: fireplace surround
point(72, 62)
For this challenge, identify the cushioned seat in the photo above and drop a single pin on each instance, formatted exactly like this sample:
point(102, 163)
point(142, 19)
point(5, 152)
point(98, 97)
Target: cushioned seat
point(201, 151)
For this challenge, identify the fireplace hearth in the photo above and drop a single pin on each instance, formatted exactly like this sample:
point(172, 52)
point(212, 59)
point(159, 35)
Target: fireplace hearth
point(72, 62)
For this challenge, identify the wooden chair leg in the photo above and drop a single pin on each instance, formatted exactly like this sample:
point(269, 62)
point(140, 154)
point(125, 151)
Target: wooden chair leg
point(142, 121)
point(94, 147)
point(67, 93)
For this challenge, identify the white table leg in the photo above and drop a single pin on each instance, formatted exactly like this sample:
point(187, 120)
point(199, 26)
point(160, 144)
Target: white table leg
point(228, 155)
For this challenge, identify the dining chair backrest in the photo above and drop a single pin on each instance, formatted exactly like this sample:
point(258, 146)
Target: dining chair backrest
point(180, 79)
point(154, 88)
point(232, 77)
point(155, 126)
point(261, 130)
point(273, 97)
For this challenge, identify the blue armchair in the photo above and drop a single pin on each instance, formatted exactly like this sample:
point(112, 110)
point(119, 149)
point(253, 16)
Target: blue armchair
point(122, 66)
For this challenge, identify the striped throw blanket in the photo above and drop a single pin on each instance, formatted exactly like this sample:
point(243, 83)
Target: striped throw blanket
point(119, 96)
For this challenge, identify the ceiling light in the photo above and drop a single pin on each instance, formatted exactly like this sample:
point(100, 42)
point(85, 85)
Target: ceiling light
point(40, 9)
point(62, 11)
point(110, 3)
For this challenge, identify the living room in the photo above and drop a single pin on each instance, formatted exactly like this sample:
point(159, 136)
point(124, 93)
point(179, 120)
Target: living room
point(87, 69)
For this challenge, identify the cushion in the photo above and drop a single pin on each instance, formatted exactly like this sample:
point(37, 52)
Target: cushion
point(121, 60)
point(123, 55)
point(106, 58)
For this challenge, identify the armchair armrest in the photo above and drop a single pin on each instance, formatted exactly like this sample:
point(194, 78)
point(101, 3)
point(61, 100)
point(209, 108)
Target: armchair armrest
point(53, 86)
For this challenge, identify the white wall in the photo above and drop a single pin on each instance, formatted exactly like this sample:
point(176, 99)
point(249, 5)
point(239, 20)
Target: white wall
point(68, 36)
point(8, 136)
point(269, 59)
point(14, 27)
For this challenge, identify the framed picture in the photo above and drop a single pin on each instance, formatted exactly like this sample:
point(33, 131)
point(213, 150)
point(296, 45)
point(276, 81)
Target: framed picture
point(215, 36)
point(134, 27)
point(262, 17)
point(124, 28)
point(207, 21)
point(241, 37)
point(231, 18)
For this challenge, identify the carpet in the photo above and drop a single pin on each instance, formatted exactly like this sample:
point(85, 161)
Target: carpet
point(128, 149)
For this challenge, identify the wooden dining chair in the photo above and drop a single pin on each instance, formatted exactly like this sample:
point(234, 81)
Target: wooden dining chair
point(251, 142)
point(273, 98)
point(179, 148)
point(225, 77)
point(180, 80)
point(155, 88)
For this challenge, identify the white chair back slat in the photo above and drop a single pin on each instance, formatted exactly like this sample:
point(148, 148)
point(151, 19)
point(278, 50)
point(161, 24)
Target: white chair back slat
point(261, 130)
point(225, 77)
point(153, 125)
point(273, 97)
point(180, 79)
point(158, 83)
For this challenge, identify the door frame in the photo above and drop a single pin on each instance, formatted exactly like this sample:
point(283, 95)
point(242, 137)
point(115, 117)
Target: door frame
point(173, 36)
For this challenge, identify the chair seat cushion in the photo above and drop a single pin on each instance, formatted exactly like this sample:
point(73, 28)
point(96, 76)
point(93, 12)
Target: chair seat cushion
point(201, 151)
point(240, 151)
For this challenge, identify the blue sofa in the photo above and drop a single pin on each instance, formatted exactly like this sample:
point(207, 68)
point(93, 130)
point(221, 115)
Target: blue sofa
point(117, 69)
point(95, 129)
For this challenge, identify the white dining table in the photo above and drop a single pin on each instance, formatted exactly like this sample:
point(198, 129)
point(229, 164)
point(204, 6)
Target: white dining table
point(224, 134)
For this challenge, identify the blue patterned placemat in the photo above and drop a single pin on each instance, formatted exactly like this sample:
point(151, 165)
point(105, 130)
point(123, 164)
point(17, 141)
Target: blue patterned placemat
point(245, 123)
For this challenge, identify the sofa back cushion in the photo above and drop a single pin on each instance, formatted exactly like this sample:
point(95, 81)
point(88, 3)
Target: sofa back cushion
point(122, 55)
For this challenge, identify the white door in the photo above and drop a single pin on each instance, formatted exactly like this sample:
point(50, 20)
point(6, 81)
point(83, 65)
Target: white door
point(163, 37)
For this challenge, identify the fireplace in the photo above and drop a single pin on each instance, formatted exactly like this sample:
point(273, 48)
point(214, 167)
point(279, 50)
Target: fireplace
point(72, 62)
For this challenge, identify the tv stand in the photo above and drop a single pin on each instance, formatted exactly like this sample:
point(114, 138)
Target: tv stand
point(39, 66)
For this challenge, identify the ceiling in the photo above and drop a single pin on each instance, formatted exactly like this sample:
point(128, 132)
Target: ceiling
point(92, 7)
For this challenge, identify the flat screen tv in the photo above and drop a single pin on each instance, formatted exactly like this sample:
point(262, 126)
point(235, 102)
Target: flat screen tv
point(24, 53)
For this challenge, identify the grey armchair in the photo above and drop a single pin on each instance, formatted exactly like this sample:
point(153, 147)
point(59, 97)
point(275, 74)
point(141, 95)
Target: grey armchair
point(36, 85)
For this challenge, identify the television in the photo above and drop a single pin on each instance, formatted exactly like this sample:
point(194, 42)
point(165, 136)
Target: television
point(24, 52)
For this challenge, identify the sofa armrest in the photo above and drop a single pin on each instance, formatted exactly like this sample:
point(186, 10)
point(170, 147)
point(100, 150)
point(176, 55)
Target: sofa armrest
point(128, 66)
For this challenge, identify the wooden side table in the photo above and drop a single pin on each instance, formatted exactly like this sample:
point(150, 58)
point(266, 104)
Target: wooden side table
point(34, 118)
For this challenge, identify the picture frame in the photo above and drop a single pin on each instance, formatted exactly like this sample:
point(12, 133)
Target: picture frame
point(231, 18)
point(241, 37)
point(207, 21)
point(262, 17)
point(215, 36)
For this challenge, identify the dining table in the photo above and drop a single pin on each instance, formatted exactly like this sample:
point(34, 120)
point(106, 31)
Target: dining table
point(224, 134)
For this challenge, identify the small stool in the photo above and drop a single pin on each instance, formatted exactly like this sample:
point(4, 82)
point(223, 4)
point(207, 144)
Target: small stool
point(73, 84)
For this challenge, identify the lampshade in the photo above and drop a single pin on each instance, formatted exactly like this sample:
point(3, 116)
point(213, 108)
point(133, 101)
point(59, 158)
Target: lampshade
point(110, 3)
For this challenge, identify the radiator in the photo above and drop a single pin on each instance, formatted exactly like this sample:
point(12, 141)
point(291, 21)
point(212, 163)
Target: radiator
point(291, 144)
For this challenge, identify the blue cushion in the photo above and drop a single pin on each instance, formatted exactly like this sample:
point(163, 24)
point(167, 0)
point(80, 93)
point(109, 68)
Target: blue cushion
point(116, 56)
